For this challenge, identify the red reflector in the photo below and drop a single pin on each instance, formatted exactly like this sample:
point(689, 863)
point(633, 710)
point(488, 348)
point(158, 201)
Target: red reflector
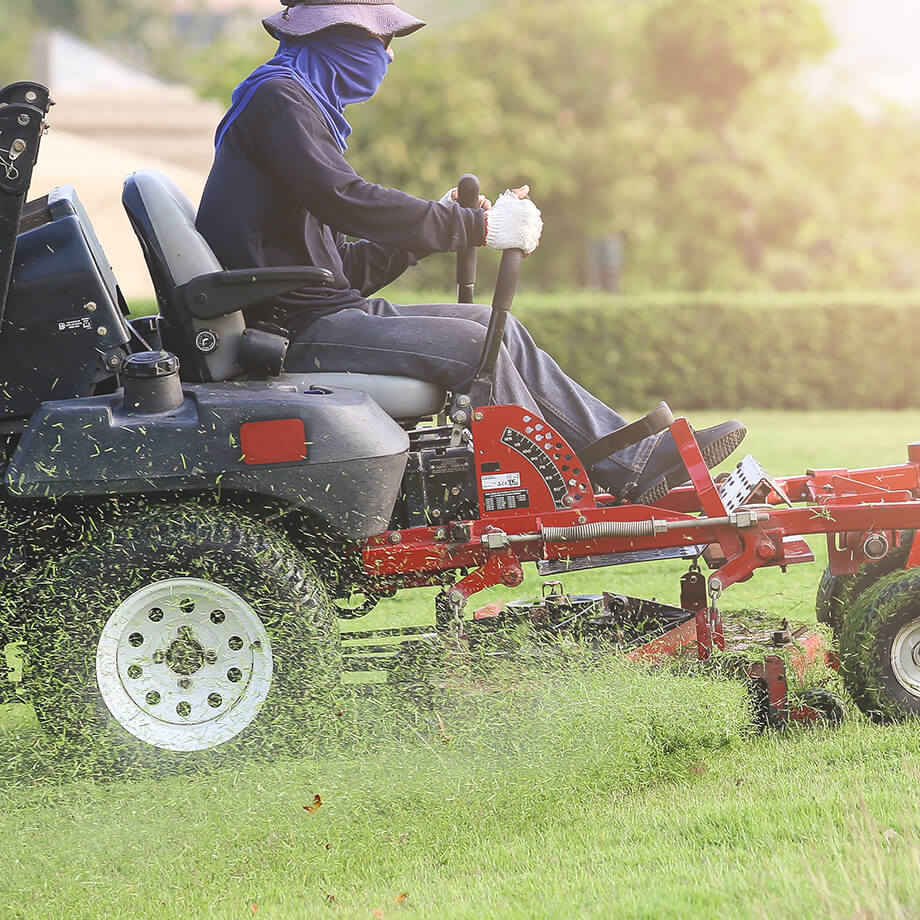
point(281, 440)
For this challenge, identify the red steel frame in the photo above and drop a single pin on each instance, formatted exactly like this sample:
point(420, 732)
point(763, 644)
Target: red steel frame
point(847, 506)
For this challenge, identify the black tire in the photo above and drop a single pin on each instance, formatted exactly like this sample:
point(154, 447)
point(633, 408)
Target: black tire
point(838, 592)
point(164, 549)
point(829, 707)
point(885, 618)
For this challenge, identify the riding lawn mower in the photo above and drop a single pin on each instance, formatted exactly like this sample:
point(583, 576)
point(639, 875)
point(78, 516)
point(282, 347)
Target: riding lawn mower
point(183, 522)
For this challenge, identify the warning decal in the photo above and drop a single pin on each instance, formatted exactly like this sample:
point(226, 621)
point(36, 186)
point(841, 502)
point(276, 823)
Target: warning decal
point(506, 501)
point(82, 322)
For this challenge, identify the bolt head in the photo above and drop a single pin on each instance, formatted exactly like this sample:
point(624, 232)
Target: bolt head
point(101, 330)
point(90, 307)
point(24, 119)
point(395, 538)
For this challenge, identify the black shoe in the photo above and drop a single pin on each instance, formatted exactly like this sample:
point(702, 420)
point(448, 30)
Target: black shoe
point(665, 469)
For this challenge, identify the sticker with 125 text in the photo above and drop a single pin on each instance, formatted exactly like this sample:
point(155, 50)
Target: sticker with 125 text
point(501, 481)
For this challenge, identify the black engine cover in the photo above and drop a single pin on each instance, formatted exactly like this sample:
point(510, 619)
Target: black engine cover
point(440, 482)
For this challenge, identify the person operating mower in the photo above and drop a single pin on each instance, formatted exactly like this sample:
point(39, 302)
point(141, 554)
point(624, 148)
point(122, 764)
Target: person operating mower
point(280, 192)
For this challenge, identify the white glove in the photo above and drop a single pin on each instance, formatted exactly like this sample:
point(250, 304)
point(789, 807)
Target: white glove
point(514, 223)
point(451, 198)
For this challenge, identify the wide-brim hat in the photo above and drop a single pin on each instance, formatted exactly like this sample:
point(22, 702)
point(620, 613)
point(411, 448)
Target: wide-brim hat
point(304, 17)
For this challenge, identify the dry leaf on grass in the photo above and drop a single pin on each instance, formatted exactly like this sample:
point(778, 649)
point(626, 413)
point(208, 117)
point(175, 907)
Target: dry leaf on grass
point(401, 897)
point(315, 807)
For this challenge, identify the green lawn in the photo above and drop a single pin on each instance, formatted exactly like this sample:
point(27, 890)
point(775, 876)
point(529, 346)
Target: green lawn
point(605, 792)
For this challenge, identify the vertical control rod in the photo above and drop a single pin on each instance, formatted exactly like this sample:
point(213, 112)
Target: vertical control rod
point(467, 197)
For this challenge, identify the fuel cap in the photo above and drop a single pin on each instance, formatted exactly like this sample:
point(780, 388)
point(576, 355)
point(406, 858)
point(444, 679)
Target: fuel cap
point(148, 364)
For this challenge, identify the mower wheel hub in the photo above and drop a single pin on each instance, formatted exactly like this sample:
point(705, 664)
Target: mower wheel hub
point(185, 655)
point(905, 657)
point(184, 664)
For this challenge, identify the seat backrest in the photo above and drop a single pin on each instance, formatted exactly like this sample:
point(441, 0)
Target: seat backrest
point(164, 221)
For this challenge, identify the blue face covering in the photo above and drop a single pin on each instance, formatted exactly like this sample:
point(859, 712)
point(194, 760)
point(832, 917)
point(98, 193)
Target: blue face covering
point(336, 67)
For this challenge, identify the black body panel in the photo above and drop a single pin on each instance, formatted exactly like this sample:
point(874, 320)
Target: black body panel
point(350, 478)
point(63, 324)
point(22, 122)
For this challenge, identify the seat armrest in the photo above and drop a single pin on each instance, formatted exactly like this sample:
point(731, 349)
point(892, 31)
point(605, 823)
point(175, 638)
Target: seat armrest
point(219, 293)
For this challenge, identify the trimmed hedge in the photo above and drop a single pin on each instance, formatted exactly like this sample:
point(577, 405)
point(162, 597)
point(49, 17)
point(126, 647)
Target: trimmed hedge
point(770, 351)
point(729, 351)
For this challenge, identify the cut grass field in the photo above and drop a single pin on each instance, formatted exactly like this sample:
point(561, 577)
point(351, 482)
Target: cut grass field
point(607, 792)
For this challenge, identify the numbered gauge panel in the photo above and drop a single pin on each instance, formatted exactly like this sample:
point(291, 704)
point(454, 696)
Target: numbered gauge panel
point(522, 463)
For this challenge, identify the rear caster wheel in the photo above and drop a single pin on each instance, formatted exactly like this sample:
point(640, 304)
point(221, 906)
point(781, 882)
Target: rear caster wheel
point(828, 707)
point(880, 648)
point(183, 629)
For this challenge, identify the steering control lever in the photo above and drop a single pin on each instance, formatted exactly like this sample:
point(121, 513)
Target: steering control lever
point(480, 389)
point(467, 197)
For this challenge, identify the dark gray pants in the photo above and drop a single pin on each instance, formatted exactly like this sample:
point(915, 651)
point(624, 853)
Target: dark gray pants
point(443, 343)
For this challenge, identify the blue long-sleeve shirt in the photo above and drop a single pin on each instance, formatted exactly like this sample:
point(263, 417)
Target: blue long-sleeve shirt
point(281, 193)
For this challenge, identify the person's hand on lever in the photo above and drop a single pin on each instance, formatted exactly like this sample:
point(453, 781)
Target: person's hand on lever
point(514, 222)
point(452, 196)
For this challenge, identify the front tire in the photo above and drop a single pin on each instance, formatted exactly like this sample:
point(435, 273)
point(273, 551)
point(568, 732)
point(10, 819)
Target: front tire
point(183, 628)
point(836, 593)
point(880, 648)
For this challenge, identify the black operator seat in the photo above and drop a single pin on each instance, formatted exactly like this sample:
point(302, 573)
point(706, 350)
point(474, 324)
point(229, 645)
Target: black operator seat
point(163, 218)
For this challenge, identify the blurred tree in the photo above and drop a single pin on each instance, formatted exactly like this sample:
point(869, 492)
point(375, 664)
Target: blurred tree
point(101, 21)
point(15, 38)
point(708, 53)
point(677, 123)
point(131, 28)
point(620, 117)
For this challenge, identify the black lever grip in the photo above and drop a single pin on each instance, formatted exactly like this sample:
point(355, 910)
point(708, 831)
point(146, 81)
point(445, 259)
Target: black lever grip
point(467, 197)
point(509, 273)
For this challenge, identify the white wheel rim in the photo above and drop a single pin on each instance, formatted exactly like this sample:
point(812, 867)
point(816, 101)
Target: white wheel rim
point(905, 657)
point(184, 664)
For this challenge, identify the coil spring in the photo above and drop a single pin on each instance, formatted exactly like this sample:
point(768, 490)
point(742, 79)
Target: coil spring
point(599, 531)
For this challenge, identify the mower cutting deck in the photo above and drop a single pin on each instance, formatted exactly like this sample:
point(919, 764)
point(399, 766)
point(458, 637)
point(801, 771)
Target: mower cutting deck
point(178, 535)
